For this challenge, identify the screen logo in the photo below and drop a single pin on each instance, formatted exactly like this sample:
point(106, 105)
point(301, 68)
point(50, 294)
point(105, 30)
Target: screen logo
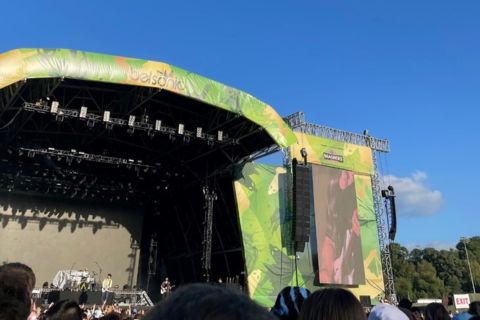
point(332, 156)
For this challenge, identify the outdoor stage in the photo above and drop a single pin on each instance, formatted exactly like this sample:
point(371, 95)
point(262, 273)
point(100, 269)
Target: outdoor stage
point(144, 170)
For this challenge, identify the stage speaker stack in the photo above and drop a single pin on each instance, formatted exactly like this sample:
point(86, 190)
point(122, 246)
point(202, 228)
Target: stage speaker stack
point(301, 204)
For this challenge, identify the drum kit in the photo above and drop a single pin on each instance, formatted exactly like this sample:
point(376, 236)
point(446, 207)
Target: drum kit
point(82, 280)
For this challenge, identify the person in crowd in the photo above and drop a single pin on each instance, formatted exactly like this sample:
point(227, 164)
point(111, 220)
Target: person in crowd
point(332, 304)
point(417, 313)
point(107, 285)
point(384, 311)
point(63, 310)
point(405, 303)
point(17, 281)
point(289, 302)
point(407, 312)
point(436, 311)
point(473, 310)
point(207, 302)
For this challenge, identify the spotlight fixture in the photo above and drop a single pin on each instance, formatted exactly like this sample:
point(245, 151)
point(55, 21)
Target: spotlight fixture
point(181, 128)
point(54, 107)
point(83, 112)
point(106, 116)
point(131, 120)
point(220, 135)
point(199, 132)
point(158, 125)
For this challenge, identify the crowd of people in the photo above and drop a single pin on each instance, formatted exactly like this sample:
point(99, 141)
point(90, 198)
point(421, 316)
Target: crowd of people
point(210, 302)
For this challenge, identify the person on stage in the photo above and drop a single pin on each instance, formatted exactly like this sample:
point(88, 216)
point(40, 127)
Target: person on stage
point(166, 287)
point(107, 285)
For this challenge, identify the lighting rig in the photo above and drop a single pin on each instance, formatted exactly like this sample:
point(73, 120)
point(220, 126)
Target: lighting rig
point(22, 171)
point(152, 128)
point(80, 156)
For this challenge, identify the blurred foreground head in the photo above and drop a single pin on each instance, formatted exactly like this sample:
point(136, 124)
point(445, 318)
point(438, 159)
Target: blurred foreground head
point(207, 302)
point(17, 281)
point(332, 304)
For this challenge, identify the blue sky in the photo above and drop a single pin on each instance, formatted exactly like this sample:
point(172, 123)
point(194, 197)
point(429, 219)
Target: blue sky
point(408, 71)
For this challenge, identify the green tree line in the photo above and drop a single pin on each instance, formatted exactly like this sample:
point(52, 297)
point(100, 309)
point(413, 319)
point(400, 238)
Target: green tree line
point(432, 273)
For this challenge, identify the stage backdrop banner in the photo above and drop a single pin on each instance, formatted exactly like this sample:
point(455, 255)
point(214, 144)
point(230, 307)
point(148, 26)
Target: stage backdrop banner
point(358, 160)
point(260, 195)
point(333, 153)
point(265, 221)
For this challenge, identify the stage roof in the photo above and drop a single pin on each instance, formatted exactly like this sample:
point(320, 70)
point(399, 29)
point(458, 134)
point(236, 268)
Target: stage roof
point(22, 64)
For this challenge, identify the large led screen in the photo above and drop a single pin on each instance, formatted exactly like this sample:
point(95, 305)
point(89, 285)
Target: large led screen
point(339, 244)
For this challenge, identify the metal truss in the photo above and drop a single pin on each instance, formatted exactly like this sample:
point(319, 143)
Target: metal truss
point(380, 213)
point(210, 198)
point(79, 156)
point(297, 123)
point(144, 125)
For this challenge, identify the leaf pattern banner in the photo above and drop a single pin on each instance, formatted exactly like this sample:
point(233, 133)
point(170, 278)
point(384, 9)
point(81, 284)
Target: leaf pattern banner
point(21, 64)
point(265, 219)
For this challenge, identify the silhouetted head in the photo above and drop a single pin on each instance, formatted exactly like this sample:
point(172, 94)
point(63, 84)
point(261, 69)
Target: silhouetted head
point(332, 304)
point(436, 311)
point(474, 308)
point(64, 310)
point(17, 281)
point(207, 302)
point(405, 303)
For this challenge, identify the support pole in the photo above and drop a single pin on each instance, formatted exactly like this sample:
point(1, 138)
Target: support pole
point(210, 198)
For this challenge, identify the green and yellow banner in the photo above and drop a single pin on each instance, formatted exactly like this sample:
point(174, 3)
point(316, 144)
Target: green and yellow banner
point(265, 220)
point(21, 64)
point(333, 153)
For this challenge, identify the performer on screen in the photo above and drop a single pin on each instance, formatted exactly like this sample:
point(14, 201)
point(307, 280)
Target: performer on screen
point(342, 236)
point(107, 285)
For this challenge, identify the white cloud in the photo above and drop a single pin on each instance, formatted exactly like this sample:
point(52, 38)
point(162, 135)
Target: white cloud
point(413, 196)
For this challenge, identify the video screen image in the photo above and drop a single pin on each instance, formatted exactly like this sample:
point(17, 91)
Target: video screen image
point(340, 259)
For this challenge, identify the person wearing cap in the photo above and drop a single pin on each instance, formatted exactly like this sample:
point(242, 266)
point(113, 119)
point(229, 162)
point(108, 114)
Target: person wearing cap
point(386, 311)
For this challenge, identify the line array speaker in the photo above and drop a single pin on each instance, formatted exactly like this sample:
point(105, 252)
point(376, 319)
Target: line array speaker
point(301, 204)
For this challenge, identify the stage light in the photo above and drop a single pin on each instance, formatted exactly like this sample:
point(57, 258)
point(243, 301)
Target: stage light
point(106, 116)
point(131, 120)
point(59, 117)
point(54, 107)
point(181, 128)
point(220, 135)
point(90, 123)
point(83, 112)
point(158, 125)
point(304, 154)
point(199, 132)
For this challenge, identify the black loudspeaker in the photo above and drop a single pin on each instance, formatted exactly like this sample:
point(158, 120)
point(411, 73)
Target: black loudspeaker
point(87, 297)
point(302, 178)
point(365, 301)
